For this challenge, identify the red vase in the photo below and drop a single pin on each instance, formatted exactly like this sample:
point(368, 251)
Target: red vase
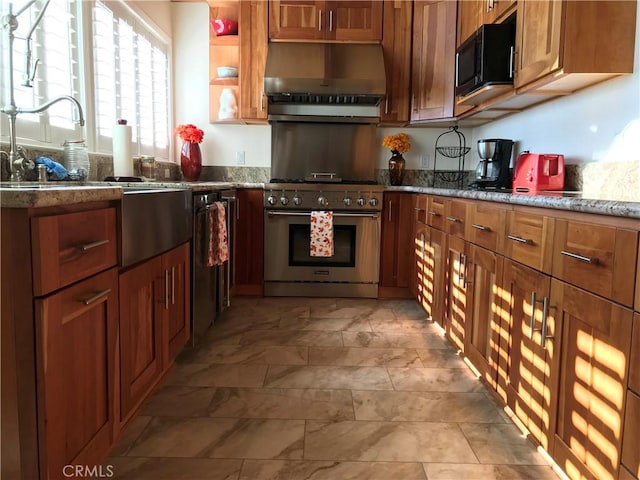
point(191, 161)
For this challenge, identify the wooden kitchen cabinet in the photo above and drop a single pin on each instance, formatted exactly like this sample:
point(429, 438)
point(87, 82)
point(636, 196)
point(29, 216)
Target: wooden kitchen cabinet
point(154, 322)
point(433, 61)
point(494, 11)
point(588, 410)
point(472, 14)
point(76, 332)
point(525, 365)
point(318, 20)
point(249, 261)
point(456, 290)
point(483, 269)
point(397, 227)
point(631, 438)
point(486, 225)
point(529, 239)
point(555, 39)
point(254, 38)
point(396, 48)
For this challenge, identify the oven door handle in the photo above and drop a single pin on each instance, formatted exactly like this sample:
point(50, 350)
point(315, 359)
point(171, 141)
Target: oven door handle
point(272, 213)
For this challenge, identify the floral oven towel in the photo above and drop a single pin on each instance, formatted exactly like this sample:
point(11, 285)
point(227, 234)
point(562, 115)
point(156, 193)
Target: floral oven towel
point(321, 241)
point(217, 247)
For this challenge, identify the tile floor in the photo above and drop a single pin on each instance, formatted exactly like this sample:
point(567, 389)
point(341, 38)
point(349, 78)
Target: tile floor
point(324, 389)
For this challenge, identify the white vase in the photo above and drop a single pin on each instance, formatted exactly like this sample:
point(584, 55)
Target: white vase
point(228, 106)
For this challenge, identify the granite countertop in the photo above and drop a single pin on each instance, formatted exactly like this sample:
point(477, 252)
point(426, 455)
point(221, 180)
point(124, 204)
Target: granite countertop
point(32, 195)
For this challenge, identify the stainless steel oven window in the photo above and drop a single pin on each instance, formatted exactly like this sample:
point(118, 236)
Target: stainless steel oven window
point(344, 241)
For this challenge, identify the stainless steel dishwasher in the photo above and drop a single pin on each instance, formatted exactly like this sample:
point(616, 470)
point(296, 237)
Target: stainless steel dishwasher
point(211, 286)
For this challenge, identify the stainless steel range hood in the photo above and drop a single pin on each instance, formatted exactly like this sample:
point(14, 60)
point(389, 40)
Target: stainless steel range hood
point(332, 81)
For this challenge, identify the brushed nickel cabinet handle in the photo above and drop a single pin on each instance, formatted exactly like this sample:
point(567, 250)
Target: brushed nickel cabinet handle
point(453, 219)
point(319, 20)
point(173, 286)
point(166, 289)
point(545, 314)
point(480, 227)
point(89, 246)
point(331, 20)
point(515, 238)
point(533, 314)
point(390, 204)
point(434, 214)
point(262, 101)
point(386, 105)
point(591, 260)
point(96, 297)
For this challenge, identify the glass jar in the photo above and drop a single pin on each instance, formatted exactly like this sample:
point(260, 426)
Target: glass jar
point(76, 160)
point(147, 166)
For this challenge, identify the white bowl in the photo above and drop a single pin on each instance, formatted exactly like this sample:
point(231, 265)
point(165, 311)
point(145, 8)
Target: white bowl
point(227, 72)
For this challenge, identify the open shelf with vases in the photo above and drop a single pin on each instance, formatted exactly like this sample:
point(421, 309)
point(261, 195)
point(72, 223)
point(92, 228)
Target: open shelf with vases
point(224, 51)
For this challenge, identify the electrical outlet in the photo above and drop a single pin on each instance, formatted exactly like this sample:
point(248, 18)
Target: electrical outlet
point(240, 158)
point(167, 173)
point(424, 160)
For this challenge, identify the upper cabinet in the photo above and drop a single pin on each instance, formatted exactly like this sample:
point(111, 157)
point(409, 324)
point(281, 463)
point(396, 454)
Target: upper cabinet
point(474, 13)
point(238, 96)
point(308, 20)
point(434, 44)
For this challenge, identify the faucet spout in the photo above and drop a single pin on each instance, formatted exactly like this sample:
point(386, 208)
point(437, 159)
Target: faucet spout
point(48, 104)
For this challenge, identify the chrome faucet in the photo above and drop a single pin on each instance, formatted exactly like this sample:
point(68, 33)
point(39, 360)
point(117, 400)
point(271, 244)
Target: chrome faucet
point(18, 163)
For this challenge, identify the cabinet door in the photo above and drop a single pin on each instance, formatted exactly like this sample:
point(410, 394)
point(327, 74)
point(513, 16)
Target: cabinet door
point(144, 295)
point(538, 40)
point(434, 44)
point(417, 285)
point(524, 365)
point(396, 48)
point(176, 324)
point(253, 57)
point(435, 274)
point(249, 262)
point(631, 439)
point(469, 18)
point(589, 404)
point(456, 306)
point(395, 264)
point(484, 271)
point(76, 331)
point(296, 20)
point(494, 9)
point(354, 20)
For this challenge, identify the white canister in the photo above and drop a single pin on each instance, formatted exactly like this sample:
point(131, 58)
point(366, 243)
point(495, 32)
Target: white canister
point(228, 106)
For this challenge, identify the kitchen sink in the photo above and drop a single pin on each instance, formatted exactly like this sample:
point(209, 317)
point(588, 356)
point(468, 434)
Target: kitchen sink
point(153, 221)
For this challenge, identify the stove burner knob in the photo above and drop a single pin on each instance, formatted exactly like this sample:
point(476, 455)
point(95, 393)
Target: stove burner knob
point(271, 200)
point(323, 202)
point(361, 202)
point(297, 201)
point(373, 202)
point(284, 200)
point(347, 201)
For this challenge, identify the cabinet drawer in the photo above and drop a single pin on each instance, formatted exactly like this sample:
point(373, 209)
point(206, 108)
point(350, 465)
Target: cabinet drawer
point(601, 259)
point(634, 356)
point(456, 218)
point(487, 225)
point(435, 212)
point(631, 435)
point(68, 247)
point(420, 206)
point(529, 239)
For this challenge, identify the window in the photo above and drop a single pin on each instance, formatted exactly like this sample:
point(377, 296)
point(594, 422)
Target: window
point(131, 72)
point(106, 56)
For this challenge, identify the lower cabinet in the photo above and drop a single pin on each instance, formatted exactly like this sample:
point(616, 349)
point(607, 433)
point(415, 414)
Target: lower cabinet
point(76, 330)
point(524, 371)
point(249, 261)
point(631, 439)
point(594, 361)
point(395, 263)
point(154, 322)
point(483, 269)
point(456, 290)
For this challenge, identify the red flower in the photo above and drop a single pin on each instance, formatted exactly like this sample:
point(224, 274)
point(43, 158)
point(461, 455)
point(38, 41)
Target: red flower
point(189, 133)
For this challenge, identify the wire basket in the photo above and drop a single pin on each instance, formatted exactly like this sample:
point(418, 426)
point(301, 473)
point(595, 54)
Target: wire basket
point(453, 152)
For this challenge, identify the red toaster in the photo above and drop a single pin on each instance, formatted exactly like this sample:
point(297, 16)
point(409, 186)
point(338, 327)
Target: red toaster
point(538, 171)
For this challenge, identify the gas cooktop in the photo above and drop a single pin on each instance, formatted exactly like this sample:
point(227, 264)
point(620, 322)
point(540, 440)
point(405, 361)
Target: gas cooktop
point(329, 181)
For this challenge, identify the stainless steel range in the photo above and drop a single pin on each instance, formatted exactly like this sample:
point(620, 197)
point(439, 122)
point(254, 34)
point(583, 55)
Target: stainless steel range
point(353, 270)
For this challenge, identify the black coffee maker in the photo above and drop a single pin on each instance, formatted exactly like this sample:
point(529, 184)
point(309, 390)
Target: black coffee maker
point(493, 170)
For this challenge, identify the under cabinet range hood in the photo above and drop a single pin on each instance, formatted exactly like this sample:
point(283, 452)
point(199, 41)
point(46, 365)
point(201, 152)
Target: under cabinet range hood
point(333, 82)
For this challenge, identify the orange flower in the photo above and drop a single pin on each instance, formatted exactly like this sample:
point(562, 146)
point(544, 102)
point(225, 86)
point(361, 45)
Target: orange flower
point(189, 133)
point(399, 143)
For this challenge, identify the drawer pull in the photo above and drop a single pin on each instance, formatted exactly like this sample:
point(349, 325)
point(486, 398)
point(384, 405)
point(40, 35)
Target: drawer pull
point(592, 261)
point(481, 227)
point(515, 238)
point(453, 219)
point(418, 209)
point(434, 214)
point(96, 297)
point(91, 245)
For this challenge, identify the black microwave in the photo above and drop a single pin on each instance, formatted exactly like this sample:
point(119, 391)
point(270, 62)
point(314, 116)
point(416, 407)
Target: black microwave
point(486, 58)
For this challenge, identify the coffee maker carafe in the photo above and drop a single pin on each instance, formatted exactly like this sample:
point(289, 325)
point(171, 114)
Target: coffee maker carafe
point(493, 170)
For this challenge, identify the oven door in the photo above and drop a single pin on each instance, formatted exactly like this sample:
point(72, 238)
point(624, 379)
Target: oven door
point(356, 248)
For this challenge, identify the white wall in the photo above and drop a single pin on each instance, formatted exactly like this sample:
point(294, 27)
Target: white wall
point(158, 11)
point(597, 124)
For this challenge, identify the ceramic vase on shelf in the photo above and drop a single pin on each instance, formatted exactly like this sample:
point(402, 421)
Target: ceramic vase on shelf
point(396, 168)
point(191, 161)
